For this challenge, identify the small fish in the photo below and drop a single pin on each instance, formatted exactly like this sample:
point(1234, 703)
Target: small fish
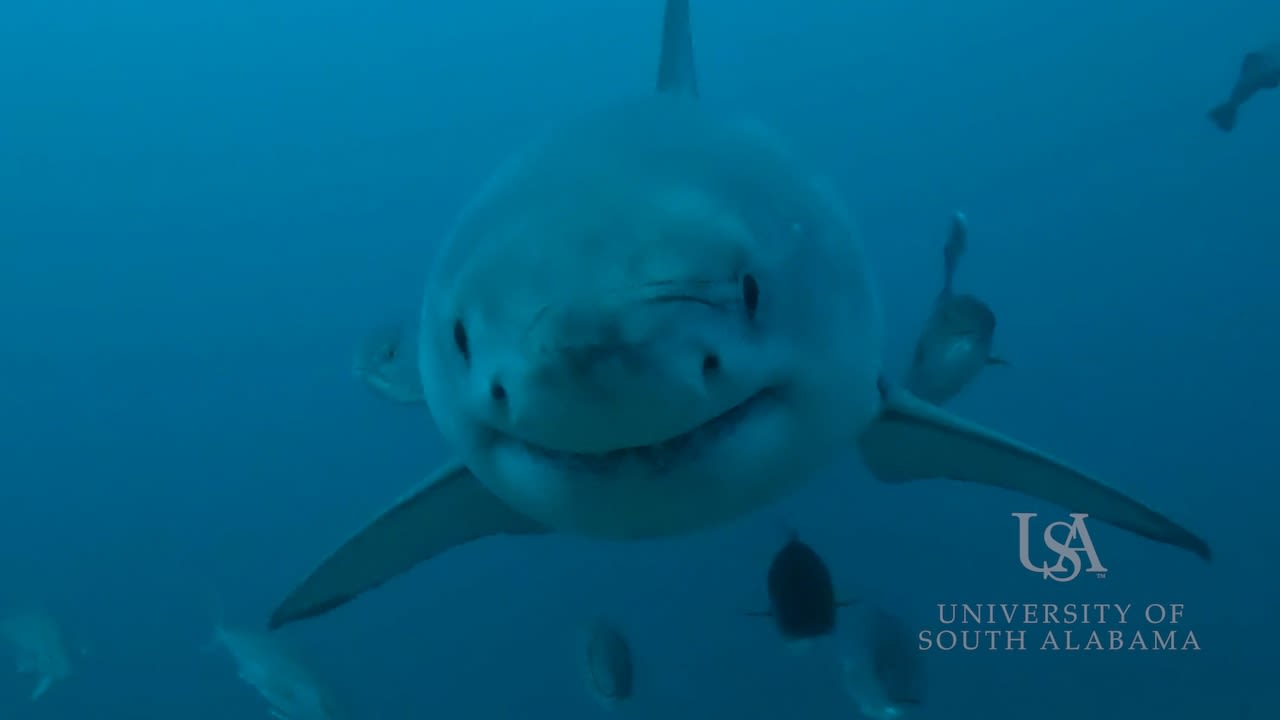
point(884, 670)
point(955, 344)
point(291, 690)
point(387, 363)
point(1260, 70)
point(36, 640)
point(802, 596)
point(607, 665)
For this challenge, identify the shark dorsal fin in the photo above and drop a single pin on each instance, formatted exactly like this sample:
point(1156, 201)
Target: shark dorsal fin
point(677, 74)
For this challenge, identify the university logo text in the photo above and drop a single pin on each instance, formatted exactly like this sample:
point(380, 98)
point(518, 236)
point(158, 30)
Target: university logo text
point(1072, 626)
point(1005, 627)
point(1060, 538)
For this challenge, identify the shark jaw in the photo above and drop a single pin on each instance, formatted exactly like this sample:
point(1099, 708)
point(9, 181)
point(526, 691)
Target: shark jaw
point(739, 460)
point(657, 457)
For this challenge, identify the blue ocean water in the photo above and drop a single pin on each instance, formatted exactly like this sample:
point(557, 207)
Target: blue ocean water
point(205, 207)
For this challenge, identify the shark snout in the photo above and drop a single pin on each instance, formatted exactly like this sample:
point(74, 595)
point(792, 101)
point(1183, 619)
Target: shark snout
point(607, 396)
point(600, 377)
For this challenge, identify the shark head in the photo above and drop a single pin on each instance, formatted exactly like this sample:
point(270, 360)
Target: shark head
point(650, 322)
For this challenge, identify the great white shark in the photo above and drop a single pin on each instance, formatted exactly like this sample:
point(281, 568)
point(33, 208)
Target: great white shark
point(653, 321)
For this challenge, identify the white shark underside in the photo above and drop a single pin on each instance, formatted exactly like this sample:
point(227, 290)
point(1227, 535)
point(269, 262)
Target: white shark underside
point(653, 322)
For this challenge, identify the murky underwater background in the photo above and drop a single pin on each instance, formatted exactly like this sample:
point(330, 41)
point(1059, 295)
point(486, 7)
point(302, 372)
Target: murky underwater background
point(205, 207)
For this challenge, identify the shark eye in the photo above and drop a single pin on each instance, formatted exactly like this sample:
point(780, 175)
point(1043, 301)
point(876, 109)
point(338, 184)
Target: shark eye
point(750, 294)
point(460, 339)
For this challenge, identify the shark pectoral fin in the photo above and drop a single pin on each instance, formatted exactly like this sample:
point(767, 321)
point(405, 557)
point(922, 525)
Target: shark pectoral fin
point(913, 440)
point(42, 686)
point(996, 360)
point(451, 508)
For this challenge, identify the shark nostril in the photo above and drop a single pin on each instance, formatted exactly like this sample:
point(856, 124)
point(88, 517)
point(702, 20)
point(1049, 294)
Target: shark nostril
point(497, 392)
point(710, 363)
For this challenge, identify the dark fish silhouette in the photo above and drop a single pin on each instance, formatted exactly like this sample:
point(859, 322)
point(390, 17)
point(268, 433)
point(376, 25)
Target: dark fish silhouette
point(1260, 70)
point(884, 671)
point(606, 664)
point(802, 597)
point(955, 344)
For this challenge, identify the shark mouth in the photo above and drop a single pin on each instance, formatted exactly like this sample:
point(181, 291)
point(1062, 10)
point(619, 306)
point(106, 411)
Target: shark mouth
point(660, 456)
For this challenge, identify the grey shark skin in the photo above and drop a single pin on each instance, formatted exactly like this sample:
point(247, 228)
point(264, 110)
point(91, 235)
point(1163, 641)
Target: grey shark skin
point(653, 322)
point(955, 344)
point(1260, 70)
point(387, 363)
